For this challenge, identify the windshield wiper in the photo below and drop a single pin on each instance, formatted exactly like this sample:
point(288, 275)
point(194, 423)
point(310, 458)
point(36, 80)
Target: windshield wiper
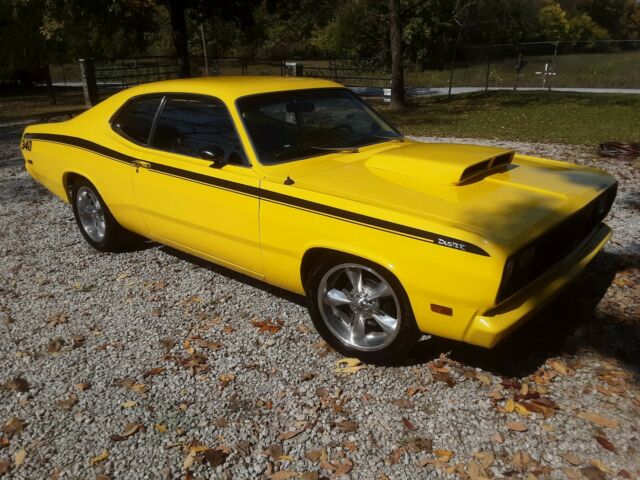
point(396, 138)
point(306, 151)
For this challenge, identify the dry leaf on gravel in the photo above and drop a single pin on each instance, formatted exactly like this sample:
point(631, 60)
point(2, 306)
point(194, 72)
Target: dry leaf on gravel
point(17, 384)
point(13, 426)
point(571, 458)
point(598, 419)
point(408, 425)
point(129, 403)
point(560, 367)
point(347, 426)
point(592, 473)
point(213, 346)
point(216, 456)
point(443, 377)
point(420, 444)
point(349, 366)
point(20, 457)
point(486, 459)
point(100, 458)
point(4, 441)
point(81, 387)
point(225, 379)
point(55, 345)
point(5, 466)
point(411, 391)
point(443, 455)
point(283, 475)
point(160, 428)
point(517, 426)
point(153, 371)
point(289, 434)
point(267, 326)
point(605, 443)
point(343, 468)
point(67, 404)
point(599, 464)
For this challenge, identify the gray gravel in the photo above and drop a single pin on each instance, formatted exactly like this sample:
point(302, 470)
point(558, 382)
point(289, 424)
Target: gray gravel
point(115, 317)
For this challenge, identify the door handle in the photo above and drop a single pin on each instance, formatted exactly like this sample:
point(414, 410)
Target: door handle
point(141, 164)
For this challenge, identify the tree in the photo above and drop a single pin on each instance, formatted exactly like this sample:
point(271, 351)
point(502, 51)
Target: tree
point(179, 34)
point(397, 66)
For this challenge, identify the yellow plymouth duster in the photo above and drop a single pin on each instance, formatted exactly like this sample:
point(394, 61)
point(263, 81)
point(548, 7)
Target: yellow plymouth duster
point(299, 183)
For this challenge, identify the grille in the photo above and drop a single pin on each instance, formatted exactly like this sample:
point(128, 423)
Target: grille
point(544, 252)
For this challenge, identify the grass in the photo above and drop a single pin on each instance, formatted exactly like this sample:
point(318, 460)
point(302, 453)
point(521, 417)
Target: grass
point(554, 117)
point(21, 104)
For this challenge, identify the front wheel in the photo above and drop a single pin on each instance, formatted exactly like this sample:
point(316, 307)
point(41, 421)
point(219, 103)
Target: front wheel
point(94, 220)
point(361, 310)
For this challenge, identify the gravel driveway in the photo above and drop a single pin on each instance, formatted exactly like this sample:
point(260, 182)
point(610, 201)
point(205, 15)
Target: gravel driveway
point(153, 364)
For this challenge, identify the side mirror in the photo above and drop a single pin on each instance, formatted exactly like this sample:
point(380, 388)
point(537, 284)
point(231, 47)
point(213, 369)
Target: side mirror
point(214, 154)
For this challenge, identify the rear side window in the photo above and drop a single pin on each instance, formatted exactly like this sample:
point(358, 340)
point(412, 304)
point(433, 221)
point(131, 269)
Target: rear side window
point(189, 126)
point(137, 118)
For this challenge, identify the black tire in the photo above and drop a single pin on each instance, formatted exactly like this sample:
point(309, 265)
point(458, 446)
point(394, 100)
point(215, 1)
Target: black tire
point(407, 334)
point(115, 237)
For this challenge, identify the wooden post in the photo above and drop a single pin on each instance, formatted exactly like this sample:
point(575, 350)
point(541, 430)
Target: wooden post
point(89, 86)
point(486, 81)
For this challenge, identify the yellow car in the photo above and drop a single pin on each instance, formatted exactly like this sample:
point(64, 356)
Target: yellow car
point(299, 183)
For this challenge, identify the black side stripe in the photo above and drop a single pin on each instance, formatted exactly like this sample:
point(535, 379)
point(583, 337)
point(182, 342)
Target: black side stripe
point(268, 195)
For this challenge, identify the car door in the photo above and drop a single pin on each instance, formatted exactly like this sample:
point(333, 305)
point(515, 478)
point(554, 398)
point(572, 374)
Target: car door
point(198, 191)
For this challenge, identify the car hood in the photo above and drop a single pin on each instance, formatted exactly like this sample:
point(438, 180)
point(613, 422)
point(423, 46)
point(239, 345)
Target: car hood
point(507, 204)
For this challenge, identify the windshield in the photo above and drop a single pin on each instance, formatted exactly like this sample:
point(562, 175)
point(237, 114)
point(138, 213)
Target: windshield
point(291, 125)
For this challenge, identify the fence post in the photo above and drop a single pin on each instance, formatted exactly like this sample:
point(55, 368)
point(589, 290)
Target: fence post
point(89, 87)
point(453, 59)
point(553, 63)
point(486, 81)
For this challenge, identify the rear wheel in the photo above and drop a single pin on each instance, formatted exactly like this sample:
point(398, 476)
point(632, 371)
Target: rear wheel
point(361, 310)
point(94, 220)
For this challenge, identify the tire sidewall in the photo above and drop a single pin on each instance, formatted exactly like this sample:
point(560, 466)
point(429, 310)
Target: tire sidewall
point(110, 241)
point(407, 336)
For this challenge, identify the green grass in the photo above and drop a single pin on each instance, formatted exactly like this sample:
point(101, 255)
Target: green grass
point(21, 104)
point(555, 117)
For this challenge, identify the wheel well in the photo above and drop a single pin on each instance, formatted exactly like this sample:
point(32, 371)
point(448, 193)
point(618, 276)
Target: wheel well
point(314, 255)
point(68, 179)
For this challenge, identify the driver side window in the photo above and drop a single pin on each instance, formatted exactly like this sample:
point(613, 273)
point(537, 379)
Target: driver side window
point(190, 126)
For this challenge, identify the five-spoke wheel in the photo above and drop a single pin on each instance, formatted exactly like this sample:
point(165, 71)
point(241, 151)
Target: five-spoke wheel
point(361, 310)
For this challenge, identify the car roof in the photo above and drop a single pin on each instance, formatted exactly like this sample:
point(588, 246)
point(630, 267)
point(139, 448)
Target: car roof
point(231, 87)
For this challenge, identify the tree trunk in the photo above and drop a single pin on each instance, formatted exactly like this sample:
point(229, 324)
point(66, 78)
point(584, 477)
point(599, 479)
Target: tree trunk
point(397, 67)
point(179, 31)
point(47, 80)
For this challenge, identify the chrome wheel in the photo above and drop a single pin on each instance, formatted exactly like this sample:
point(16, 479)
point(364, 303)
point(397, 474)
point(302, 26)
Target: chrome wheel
point(359, 306)
point(91, 213)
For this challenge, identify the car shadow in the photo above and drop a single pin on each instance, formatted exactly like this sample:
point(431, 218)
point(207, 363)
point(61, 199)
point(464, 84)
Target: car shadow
point(565, 326)
point(568, 325)
point(233, 275)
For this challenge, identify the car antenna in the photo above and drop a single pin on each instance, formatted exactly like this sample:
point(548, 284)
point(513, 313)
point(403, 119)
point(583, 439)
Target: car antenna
point(289, 181)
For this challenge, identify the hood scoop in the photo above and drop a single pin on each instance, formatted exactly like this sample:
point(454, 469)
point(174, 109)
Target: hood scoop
point(446, 164)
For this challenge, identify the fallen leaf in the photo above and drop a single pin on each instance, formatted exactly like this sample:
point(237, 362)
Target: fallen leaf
point(225, 379)
point(343, 469)
point(289, 434)
point(484, 378)
point(443, 377)
point(126, 382)
point(411, 391)
point(408, 425)
point(209, 345)
point(592, 473)
point(267, 326)
point(624, 474)
point(283, 475)
point(216, 456)
point(443, 455)
point(55, 345)
point(81, 387)
point(67, 404)
point(486, 459)
point(17, 384)
point(13, 426)
point(19, 457)
point(274, 451)
point(571, 458)
point(347, 426)
point(100, 458)
point(572, 473)
point(605, 443)
point(4, 441)
point(129, 403)
point(516, 426)
point(5, 466)
point(313, 455)
point(349, 366)
point(160, 428)
point(509, 406)
point(599, 465)
point(560, 367)
point(420, 444)
point(131, 429)
point(153, 371)
point(598, 419)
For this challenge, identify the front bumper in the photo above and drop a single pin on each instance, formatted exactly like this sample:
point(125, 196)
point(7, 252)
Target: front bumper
point(490, 327)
